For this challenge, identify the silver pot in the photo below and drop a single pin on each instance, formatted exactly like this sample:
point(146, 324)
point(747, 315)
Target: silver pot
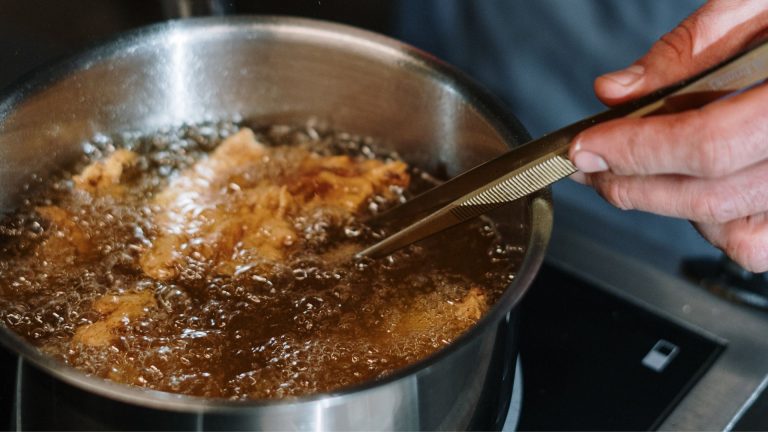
point(286, 70)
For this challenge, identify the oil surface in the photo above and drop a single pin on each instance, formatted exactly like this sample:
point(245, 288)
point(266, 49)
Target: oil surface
point(316, 321)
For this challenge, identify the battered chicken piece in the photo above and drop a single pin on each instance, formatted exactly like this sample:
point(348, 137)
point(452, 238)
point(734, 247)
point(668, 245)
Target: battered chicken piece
point(116, 311)
point(225, 213)
point(67, 240)
point(104, 177)
point(340, 181)
point(340, 253)
point(472, 306)
point(424, 318)
point(207, 213)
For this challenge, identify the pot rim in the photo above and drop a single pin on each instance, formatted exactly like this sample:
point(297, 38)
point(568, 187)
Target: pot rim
point(488, 105)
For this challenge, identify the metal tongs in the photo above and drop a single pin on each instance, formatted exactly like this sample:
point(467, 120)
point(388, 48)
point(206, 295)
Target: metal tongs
point(541, 162)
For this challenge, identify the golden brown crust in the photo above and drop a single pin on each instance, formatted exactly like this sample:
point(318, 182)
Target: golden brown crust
point(117, 311)
point(473, 305)
point(67, 239)
point(104, 177)
point(429, 313)
point(222, 213)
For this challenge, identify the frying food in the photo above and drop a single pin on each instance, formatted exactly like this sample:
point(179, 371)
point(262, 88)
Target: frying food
point(104, 177)
point(115, 311)
point(223, 211)
point(69, 242)
point(217, 261)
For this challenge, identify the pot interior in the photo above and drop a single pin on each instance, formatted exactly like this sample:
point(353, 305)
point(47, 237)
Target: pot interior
point(267, 70)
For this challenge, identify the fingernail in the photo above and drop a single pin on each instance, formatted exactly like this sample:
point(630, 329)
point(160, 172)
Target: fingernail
point(589, 162)
point(579, 177)
point(628, 76)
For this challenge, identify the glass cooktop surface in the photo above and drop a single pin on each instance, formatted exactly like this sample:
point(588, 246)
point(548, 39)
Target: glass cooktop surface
point(594, 361)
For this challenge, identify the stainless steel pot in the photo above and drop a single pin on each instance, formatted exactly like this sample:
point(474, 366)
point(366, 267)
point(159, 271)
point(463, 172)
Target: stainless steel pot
point(274, 69)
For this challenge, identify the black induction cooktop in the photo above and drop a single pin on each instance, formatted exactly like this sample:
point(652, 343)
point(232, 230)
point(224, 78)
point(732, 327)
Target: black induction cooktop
point(592, 360)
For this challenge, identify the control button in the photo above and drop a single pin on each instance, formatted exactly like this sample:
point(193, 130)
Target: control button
point(660, 355)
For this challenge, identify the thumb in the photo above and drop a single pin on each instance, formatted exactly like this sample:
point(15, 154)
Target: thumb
point(714, 32)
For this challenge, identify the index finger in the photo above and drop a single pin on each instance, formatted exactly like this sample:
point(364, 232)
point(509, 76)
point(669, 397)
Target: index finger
point(718, 139)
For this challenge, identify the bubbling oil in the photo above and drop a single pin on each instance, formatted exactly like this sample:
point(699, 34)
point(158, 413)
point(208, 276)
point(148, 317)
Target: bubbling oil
point(312, 324)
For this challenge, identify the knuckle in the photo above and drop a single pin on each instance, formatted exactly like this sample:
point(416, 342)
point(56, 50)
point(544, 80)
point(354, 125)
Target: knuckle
point(750, 252)
point(678, 42)
point(617, 193)
point(713, 157)
point(633, 156)
point(629, 157)
point(711, 208)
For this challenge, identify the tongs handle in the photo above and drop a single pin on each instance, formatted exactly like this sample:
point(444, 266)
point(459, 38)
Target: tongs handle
point(541, 162)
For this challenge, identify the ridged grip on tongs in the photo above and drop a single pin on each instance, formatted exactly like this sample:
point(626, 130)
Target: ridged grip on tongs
point(541, 162)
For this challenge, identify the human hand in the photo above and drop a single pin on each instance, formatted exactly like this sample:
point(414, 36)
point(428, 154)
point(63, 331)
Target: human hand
point(708, 165)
